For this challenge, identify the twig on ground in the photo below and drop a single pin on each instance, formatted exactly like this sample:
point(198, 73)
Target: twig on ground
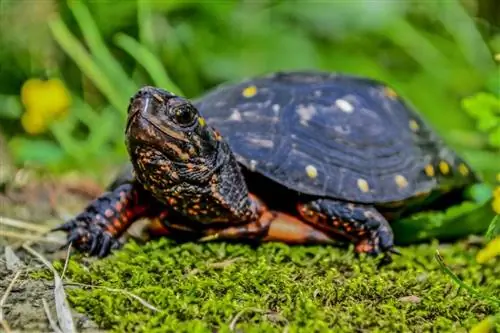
point(23, 225)
point(128, 293)
point(62, 308)
point(233, 323)
point(66, 261)
point(52, 322)
point(221, 264)
point(5, 326)
point(35, 238)
point(4, 299)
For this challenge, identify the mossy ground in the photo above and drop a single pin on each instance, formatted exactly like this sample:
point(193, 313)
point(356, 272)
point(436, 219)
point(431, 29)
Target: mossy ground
point(202, 287)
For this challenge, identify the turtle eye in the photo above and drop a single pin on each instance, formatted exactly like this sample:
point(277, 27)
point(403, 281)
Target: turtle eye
point(184, 115)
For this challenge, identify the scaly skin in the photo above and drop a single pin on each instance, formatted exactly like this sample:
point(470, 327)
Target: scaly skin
point(96, 230)
point(184, 168)
point(360, 224)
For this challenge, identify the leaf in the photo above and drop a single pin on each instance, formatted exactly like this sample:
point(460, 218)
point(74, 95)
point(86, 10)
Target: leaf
point(10, 107)
point(467, 218)
point(40, 151)
point(494, 137)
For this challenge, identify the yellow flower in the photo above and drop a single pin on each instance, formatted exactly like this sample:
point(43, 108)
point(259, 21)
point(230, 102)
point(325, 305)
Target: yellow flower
point(44, 101)
point(491, 250)
point(496, 205)
point(496, 200)
point(485, 326)
point(33, 122)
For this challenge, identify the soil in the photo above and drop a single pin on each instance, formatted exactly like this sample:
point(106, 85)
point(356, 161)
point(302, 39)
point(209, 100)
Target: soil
point(43, 203)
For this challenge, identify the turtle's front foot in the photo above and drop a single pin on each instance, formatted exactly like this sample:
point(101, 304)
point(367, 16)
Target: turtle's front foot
point(89, 236)
point(96, 230)
point(360, 224)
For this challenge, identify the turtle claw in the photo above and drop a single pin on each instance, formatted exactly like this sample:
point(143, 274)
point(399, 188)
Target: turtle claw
point(106, 245)
point(88, 237)
point(66, 226)
point(94, 245)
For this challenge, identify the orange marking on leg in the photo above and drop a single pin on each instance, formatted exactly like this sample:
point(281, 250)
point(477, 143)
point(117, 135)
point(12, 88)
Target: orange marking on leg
point(288, 229)
point(111, 229)
point(321, 222)
point(363, 246)
point(117, 223)
point(157, 229)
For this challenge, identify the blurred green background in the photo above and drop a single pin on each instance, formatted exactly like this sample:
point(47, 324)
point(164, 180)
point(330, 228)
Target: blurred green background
point(68, 69)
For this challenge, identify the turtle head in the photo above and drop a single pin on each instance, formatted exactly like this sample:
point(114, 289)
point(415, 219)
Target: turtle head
point(175, 153)
point(160, 120)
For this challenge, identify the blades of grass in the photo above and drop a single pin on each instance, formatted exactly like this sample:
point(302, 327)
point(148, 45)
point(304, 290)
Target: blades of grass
point(457, 280)
point(85, 113)
point(148, 60)
point(70, 44)
point(145, 23)
point(402, 33)
point(98, 48)
point(493, 229)
point(100, 136)
point(467, 36)
point(62, 133)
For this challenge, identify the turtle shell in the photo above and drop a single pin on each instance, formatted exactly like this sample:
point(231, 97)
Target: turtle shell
point(333, 135)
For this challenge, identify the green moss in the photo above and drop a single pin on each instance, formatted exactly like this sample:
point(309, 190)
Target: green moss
point(317, 288)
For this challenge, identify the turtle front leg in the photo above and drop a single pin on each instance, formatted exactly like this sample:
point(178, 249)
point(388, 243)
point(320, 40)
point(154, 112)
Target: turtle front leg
point(96, 230)
point(361, 224)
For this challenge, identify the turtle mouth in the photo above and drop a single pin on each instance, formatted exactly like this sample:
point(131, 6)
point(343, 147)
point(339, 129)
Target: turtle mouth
point(140, 108)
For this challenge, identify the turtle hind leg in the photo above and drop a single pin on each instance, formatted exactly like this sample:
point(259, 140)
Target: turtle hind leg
point(360, 224)
point(272, 227)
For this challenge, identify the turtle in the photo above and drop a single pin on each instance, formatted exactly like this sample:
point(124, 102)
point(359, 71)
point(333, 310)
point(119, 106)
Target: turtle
point(299, 157)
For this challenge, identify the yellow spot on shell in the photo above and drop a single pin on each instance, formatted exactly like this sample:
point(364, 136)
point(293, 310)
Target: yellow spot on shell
point(413, 125)
point(401, 181)
point(429, 170)
point(389, 92)
point(249, 91)
point(311, 171)
point(202, 121)
point(462, 168)
point(363, 185)
point(444, 167)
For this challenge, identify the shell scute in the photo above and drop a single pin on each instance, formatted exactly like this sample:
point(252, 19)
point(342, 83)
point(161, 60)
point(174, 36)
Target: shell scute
point(364, 142)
